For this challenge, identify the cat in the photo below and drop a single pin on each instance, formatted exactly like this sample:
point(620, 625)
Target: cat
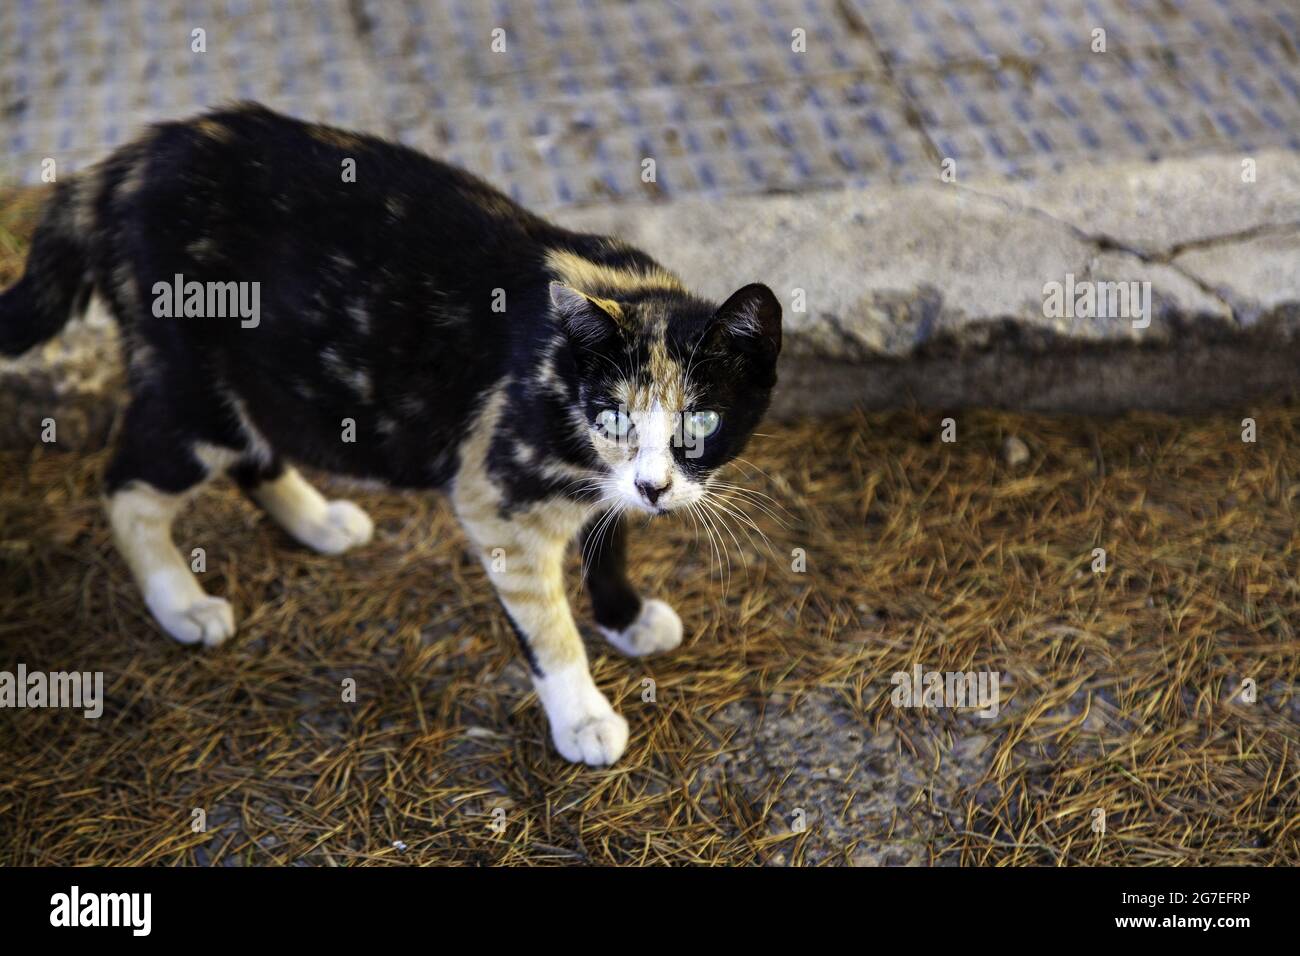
point(292, 293)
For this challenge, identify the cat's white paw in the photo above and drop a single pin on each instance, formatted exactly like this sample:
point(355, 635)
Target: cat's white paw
point(656, 629)
point(584, 726)
point(341, 527)
point(594, 739)
point(194, 618)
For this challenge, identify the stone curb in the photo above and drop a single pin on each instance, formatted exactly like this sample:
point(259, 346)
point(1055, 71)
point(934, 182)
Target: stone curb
point(934, 294)
point(930, 294)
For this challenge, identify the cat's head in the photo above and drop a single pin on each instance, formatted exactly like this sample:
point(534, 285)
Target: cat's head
point(670, 386)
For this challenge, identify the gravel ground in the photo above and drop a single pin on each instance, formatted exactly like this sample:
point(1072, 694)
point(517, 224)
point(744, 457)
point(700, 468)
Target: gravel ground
point(771, 735)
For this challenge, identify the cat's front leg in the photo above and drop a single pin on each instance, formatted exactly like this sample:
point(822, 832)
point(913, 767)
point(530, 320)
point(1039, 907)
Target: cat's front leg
point(634, 626)
point(524, 557)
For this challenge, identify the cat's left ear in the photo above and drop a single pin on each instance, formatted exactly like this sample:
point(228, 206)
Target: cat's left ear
point(585, 317)
point(751, 320)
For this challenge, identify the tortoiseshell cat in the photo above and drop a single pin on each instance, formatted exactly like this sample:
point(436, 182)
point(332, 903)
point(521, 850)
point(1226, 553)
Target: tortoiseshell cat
point(411, 324)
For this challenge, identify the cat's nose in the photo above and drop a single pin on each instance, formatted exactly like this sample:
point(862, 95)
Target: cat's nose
point(650, 491)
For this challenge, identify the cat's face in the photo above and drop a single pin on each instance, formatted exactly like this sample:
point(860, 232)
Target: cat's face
point(670, 387)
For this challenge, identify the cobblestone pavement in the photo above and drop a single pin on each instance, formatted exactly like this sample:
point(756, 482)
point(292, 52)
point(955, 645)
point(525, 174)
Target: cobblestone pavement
point(717, 92)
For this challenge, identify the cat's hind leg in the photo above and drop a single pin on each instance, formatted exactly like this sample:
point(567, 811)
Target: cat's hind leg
point(634, 626)
point(147, 483)
point(328, 527)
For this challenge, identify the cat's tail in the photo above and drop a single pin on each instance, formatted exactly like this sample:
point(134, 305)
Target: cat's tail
point(57, 282)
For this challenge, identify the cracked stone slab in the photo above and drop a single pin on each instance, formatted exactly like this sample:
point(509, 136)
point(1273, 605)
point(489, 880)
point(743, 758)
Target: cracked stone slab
point(888, 271)
point(1159, 208)
point(936, 293)
point(1258, 274)
point(889, 274)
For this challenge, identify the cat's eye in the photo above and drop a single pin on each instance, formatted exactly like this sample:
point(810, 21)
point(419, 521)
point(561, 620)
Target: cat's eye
point(701, 424)
point(614, 423)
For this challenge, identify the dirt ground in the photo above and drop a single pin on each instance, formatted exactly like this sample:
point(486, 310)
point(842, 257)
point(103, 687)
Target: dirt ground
point(770, 735)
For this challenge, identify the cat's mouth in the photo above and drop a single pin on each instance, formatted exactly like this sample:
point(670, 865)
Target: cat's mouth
point(636, 500)
point(636, 503)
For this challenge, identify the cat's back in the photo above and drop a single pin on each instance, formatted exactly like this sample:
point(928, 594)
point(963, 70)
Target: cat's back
point(372, 268)
point(286, 187)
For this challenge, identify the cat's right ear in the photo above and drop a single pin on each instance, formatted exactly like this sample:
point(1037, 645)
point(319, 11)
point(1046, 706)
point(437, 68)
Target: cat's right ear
point(587, 319)
point(751, 320)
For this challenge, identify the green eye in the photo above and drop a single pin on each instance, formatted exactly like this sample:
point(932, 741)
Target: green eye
point(615, 424)
point(702, 424)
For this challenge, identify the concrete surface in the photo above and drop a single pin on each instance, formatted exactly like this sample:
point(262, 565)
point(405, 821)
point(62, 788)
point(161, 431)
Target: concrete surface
point(714, 90)
point(935, 293)
point(889, 272)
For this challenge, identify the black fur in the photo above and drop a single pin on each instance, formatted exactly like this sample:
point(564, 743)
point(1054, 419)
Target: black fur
point(614, 602)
